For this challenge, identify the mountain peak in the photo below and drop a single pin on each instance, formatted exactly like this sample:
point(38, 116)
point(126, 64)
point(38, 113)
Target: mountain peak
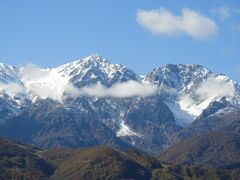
point(95, 69)
point(8, 73)
point(184, 67)
point(95, 57)
point(5, 67)
point(176, 74)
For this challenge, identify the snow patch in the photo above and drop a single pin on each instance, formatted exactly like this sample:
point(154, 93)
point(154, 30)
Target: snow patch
point(195, 109)
point(190, 104)
point(126, 131)
point(182, 116)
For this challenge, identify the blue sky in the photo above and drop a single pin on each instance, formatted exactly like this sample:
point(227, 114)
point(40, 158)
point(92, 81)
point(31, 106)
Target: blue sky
point(53, 32)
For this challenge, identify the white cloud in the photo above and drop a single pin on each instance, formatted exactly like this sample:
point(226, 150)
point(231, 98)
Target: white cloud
point(207, 92)
point(12, 89)
point(223, 12)
point(185, 99)
point(215, 88)
point(45, 83)
point(120, 90)
point(190, 22)
point(48, 83)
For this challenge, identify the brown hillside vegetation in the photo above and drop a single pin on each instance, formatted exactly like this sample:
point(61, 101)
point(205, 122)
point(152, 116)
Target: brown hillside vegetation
point(18, 161)
point(219, 149)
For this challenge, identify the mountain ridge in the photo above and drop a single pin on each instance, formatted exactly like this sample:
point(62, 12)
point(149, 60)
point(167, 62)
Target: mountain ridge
point(183, 94)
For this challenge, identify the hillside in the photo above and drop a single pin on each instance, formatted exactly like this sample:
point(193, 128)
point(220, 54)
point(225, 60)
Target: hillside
point(220, 148)
point(19, 161)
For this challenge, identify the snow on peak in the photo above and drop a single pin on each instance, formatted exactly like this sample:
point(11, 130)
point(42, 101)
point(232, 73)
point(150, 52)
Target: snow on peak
point(213, 89)
point(191, 88)
point(94, 69)
point(94, 57)
point(8, 74)
point(178, 76)
point(52, 83)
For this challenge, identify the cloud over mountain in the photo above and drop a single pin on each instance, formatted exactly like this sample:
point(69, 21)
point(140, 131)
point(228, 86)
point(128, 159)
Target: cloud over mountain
point(49, 83)
point(120, 90)
point(215, 88)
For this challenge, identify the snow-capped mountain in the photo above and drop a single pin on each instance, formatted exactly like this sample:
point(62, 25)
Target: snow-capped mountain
point(94, 69)
point(43, 83)
point(189, 89)
point(8, 74)
point(12, 97)
point(143, 112)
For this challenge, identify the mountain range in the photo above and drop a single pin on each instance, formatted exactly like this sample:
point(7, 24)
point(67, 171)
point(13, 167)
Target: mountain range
point(171, 110)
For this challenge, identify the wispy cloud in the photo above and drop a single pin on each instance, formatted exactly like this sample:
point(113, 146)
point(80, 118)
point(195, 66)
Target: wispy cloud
point(44, 83)
point(223, 12)
point(190, 22)
point(215, 88)
point(12, 89)
point(207, 91)
point(236, 28)
point(48, 83)
point(120, 90)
